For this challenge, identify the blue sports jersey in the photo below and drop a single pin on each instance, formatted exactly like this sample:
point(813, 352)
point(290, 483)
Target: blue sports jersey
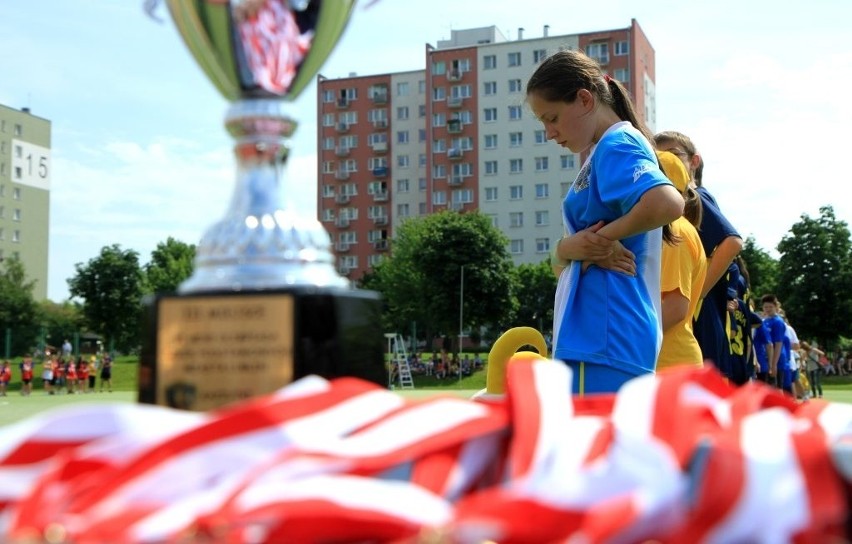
point(761, 338)
point(605, 317)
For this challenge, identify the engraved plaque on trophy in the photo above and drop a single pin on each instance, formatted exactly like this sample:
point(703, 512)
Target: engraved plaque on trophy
point(265, 304)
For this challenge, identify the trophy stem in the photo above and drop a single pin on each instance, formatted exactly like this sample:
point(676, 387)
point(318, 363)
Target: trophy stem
point(262, 242)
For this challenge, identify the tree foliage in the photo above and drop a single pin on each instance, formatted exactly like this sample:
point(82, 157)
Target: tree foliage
point(171, 263)
point(18, 310)
point(60, 321)
point(815, 277)
point(111, 286)
point(535, 290)
point(762, 269)
point(421, 281)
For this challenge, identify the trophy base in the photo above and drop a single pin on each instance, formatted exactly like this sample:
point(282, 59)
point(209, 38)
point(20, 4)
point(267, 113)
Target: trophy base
point(202, 351)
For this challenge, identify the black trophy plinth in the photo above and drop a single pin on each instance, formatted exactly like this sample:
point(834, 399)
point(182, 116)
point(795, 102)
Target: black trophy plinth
point(204, 350)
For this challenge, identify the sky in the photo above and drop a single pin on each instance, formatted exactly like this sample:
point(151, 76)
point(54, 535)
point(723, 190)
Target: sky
point(140, 153)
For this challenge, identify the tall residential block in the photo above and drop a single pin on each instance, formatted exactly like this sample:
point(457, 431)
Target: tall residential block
point(459, 136)
point(25, 169)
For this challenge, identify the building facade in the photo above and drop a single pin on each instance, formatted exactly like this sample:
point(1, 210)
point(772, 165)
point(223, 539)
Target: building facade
point(459, 136)
point(25, 170)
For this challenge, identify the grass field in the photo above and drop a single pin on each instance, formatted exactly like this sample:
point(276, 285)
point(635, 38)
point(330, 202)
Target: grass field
point(15, 407)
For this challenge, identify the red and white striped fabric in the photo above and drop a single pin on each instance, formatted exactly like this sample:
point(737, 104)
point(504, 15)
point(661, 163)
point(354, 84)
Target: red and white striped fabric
point(679, 457)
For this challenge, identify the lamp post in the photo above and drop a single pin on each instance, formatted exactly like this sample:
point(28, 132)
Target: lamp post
point(461, 320)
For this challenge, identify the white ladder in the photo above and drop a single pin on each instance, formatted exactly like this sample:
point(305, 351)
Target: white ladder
point(400, 360)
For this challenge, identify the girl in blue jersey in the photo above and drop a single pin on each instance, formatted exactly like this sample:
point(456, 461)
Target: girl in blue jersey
point(606, 318)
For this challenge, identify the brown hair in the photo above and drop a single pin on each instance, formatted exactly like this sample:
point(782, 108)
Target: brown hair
point(561, 76)
point(682, 140)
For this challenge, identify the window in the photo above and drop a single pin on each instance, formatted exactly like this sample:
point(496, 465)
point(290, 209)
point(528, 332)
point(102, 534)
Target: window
point(328, 120)
point(439, 145)
point(514, 113)
point(2, 212)
point(328, 143)
point(439, 119)
point(439, 171)
point(539, 55)
point(490, 194)
point(490, 115)
point(542, 218)
point(402, 137)
point(516, 139)
point(421, 86)
point(516, 166)
point(328, 96)
point(515, 86)
point(567, 161)
point(439, 93)
point(516, 219)
point(16, 236)
point(540, 137)
point(2, 237)
point(374, 163)
point(622, 74)
point(374, 259)
point(402, 113)
point(16, 192)
point(402, 161)
point(541, 164)
point(489, 88)
point(542, 190)
point(622, 48)
point(490, 141)
point(421, 135)
point(350, 141)
point(465, 143)
point(421, 184)
point(348, 117)
point(402, 186)
point(421, 110)
point(493, 218)
point(439, 198)
point(18, 172)
point(402, 210)
point(463, 196)
point(514, 59)
point(16, 215)
point(460, 91)
point(489, 62)
point(421, 208)
point(421, 160)
point(19, 151)
point(599, 52)
point(516, 192)
point(542, 245)
point(375, 138)
point(439, 68)
point(402, 88)
point(328, 167)
point(516, 247)
point(327, 190)
point(464, 169)
point(490, 168)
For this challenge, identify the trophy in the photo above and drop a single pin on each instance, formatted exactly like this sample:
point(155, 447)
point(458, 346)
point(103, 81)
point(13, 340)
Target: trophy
point(265, 304)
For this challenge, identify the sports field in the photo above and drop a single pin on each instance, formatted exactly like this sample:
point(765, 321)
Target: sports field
point(14, 407)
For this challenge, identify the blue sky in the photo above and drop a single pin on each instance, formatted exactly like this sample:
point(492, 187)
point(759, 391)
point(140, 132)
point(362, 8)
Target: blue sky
point(140, 153)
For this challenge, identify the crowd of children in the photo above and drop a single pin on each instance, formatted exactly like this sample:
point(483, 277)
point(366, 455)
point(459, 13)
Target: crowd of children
point(60, 374)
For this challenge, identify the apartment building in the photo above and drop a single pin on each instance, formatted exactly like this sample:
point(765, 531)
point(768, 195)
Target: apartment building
point(459, 136)
point(25, 169)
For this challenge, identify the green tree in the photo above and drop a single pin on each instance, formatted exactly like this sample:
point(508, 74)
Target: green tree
point(111, 286)
point(815, 277)
point(421, 281)
point(171, 263)
point(762, 269)
point(18, 313)
point(535, 289)
point(60, 321)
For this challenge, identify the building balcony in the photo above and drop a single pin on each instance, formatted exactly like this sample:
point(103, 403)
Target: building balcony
point(342, 151)
point(455, 180)
point(345, 269)
point(380, 220)
point(380, 245)
point(342, 222)
point(381, 196)
point(342, 199)
point(456, 206)
point(380, 96)
point(454, 126)
point(342, 127)
point(380, 172)
point(380, 123)
point(342, 247)
point(454, 74)
point(455, 153)
point(455, 101)
point(380, 147)
point(341, 175)
point(343, 103)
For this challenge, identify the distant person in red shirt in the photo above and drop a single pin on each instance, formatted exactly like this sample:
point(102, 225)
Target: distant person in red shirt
point(5, 377)
point(82, 376)
point(27, 377)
